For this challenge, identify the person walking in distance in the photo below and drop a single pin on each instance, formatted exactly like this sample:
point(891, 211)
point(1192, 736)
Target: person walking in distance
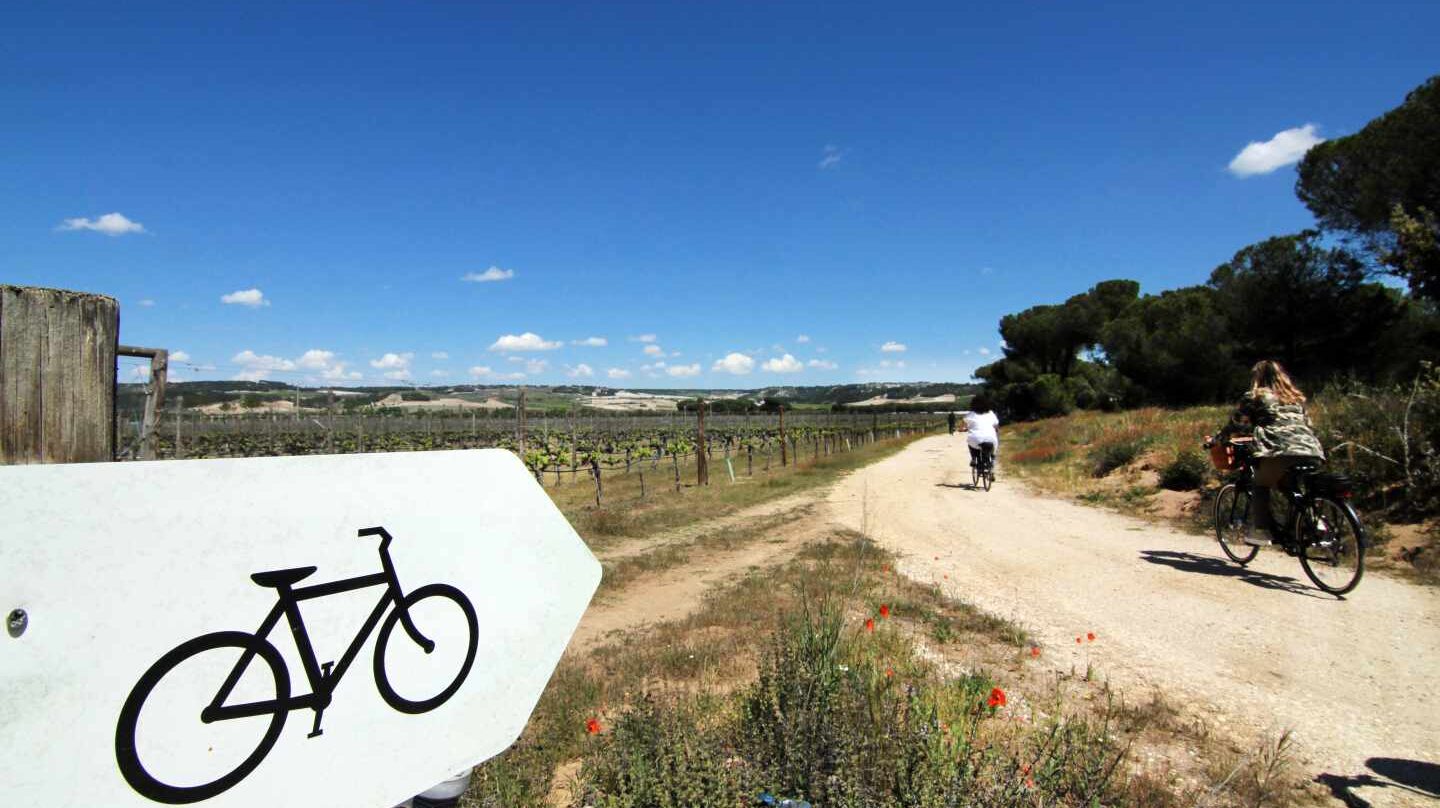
point(1273, 413)
point(951, 419)
point(982, 430)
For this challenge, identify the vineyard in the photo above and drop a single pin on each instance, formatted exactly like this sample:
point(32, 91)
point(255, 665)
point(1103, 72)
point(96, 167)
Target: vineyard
point(579, 444)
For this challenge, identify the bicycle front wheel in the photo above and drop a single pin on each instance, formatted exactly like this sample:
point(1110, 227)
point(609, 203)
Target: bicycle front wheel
point(1332, 545)
point(443, 616)
point(1232, 514)
point(185, 760)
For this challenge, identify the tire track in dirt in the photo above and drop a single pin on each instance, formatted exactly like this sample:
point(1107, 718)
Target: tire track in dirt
point(1254, 650)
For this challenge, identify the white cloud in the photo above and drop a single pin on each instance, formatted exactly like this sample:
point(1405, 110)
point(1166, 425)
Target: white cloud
point(821, 364)
point(1285, 148)
point(618, 373)
point(315, 359)
point(893, 347)
point(830, 156)
point(783, 364)
point(480, 371)
point(581, 371)
point(254, 367)
point(254, 298)
point(528, 341)
point(111, 224)
point(802, 339)
point(516, 376)
point(489, 276)
point(643, 338)
point(439, 356)
point(684, 370)
point(654, 350)
point(536, 366)
point(396, 366)
point(886, 363)
point(656, 366)
point(987, 270)
point(983, 351)
point(146, 303)
point(179, 356)
point(591, 342)
point(735, 363)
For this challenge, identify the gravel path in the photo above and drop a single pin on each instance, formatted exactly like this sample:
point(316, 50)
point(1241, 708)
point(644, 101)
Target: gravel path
point(1255, 650)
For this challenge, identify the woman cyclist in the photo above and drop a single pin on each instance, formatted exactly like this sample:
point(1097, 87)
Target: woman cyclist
point(1273, 413)
point(980, 430)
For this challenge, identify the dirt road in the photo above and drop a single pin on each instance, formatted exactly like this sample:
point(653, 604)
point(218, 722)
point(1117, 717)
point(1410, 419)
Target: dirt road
point(1256, 650)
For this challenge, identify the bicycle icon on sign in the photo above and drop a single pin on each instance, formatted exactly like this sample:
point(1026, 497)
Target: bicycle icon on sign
point(323, 678)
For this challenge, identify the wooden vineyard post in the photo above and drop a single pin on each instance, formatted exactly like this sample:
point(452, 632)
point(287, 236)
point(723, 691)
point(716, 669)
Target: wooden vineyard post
point(154, 395)
point(595, 472)
point(749, 460)
point(179, 414)
point(702, 463)
point(874, 421)
point(642, 482)
point(520, 424)
point(330, 421)
point(675, 458)
point(784, 456)
point(57, 375)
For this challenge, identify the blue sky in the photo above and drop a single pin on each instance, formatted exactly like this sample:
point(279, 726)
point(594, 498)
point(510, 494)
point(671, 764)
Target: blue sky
point(726, 177)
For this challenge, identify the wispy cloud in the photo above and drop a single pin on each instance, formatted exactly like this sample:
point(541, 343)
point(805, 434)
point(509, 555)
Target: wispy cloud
point(618, 373)
point(642, 338)
point(654, 350)
point(528, 341)
point(783, 364)
point(830, 156)
point(439, 356)
point(481, 371)
point(591, 342)
point(146, 303)
point(489, 276)
point(684, 370)
point(1283, 149)
point(802, 339)
point(253, 298)
point(580, 371)
point(894, 347)
point(535, 367)
point(821, 364)
point(737, 364)
point(111, 224)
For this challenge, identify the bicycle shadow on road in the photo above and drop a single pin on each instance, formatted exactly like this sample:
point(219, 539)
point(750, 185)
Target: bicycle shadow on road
point(961, 486)
point(1414, 776)
point(1213, 565)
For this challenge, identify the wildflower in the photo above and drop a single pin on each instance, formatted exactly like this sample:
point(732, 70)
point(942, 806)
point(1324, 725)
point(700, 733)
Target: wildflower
point(885, 569)
point(592, 726)
point(1078, 640)
point(1090, 635)
point(884, 610)
point(1034, 650)
point(1030, 782)
point(889, 673)
point(869, 624)
point(997, 697)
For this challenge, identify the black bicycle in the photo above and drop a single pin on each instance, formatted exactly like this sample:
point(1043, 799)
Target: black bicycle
point(982, 467)
point(323, 678)
point(1318, 524)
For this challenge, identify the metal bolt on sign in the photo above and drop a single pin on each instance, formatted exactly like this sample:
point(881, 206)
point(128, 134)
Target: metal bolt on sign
point(17, 622)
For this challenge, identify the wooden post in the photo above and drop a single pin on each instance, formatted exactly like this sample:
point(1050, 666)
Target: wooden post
point(154, 394)
point(520, 424)
point(702, 463)
point(57, 375)
point(179, 414)
point(595, 471)
point(784, 455)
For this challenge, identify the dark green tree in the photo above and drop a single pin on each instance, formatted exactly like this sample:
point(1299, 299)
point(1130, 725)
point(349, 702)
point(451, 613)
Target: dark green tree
point(1175, 349)
point(1382, 186)
point(1294, 299)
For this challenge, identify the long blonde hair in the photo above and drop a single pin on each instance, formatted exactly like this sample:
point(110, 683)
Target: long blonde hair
point(1269, 375)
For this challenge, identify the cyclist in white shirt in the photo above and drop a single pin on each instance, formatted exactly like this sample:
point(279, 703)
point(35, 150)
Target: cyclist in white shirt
point(981, 428)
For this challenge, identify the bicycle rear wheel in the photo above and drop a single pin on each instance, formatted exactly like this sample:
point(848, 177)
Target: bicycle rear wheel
point(1332, 545)
point(974, 474)
point(987, 477)
point(1232, 514)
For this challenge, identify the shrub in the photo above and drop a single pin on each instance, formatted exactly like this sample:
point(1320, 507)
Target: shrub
point(1187, 472)
point(1109, 456)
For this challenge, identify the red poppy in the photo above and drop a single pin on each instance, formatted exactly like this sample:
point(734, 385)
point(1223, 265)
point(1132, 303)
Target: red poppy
point(997, 697)
point(884, 610)
point(592, 726)
point(1078, 640)
point(885, 568)
point(1034, 650)
point(1029, 782)
point(889, 672)
point(1090, 635)
point(870, 624)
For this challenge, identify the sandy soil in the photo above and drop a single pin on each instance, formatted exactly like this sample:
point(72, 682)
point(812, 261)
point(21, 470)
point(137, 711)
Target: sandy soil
point(1255, 651)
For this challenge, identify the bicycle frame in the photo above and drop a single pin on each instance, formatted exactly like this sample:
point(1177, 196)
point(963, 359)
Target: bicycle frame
point(322, 682)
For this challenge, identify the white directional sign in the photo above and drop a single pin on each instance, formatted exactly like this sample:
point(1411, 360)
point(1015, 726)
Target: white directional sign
point(346, 630)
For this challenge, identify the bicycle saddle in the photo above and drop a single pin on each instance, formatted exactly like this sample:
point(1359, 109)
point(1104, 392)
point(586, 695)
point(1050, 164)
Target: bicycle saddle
point(278, 578)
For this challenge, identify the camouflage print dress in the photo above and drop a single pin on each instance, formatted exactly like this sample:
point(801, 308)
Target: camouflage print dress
point(1280, 430)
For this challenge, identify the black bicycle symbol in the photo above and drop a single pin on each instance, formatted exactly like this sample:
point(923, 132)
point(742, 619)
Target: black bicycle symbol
point(323, 678)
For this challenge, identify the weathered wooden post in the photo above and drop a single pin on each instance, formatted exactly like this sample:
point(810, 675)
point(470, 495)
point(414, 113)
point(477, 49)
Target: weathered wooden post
point(702, 463)
point(57, 375)
point(784, 456)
